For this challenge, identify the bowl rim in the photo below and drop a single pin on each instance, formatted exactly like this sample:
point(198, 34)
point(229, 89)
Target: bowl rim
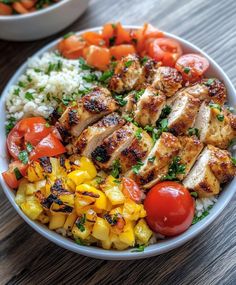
point(52, 7)
point(151, 250)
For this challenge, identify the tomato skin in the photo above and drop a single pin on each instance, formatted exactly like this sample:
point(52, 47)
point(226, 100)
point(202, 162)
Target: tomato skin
point(170, 208)
point(9, 175)
point(122, 50)
point(93, 38)
point(196, 64)
point(98, 57)
point(71, 47)
point(122, 35)
point(131, 189)
point(30, 130)
point(48, 146)
point(108, 32)
point(164, 49)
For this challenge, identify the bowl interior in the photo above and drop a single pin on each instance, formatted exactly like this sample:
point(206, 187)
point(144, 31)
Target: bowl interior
point(152, 250)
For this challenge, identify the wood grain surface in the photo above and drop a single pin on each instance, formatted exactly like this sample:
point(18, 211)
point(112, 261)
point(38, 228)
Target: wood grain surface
point(28, 258)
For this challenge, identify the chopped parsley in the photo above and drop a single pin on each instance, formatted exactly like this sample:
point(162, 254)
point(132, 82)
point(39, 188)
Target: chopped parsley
point(215, 106)
point(99, 179)
point(128, 63)
point(80, 222)
point(120, 100)
point(209, 81)
point(148, 128)
point(21, 84)
point(29, 96)
point(128, 118)
point(175, 168)
point(135, 41)
point(111, 219)
point(80, 241)
point(233, 159)
point(23, 156)
point(194, 194)
point(17, 173)
point(138, 133)
point(29, 147)
point(112, 41)
point(116, 181)
point(139, 248)
point(116, 168)
point(230, 109)
point(152, 159)
point(66, 36)
point(138, 94)
point(144, 60)
point(204, 214)
point(83, 64)
point(29, 79)
point(106, 75)
point(193, 132)
point(90, 78)
point(187, 70)
point(220, 117)
point(10, 125)
point(16, 92)
point(165, 112)
point(136, 167)
point(98, 158)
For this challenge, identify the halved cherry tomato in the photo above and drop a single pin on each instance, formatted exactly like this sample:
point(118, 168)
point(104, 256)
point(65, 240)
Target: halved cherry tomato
point(151, 32)
point(131, 189)
point(15, 168)
point(122, 50)
point(31, 130)
point(122, 35)
point(48, 146)
point(192, 66)
point(170, 208)
point(98, 57)
point(108, 32)
point(71, 47)
point(93, 38)
point(5, 9)
point(164, 49)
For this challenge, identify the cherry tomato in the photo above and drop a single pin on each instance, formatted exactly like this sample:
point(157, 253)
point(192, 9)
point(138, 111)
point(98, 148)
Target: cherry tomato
point(164, 49)
point(71, 47)
point(31, 130)
point(170, 208)
point(192, 66)
point(14, 174)
point(98, 57)
point(130, 189)
point(48, 146)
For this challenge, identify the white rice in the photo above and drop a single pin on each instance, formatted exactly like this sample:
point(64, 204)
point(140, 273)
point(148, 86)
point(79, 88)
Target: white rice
point(44, 88)
point(204, 204)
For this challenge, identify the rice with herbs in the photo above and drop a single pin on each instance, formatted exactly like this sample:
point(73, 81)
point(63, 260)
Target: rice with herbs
point(48, 80)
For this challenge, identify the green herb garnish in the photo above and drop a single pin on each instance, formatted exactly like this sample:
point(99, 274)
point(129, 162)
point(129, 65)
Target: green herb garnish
point(204, 214)
point(83, 64)
point(175, 168)
point(29, 147)
point(136, 167)
point(120, 100)
point(16, 92)
point(128, 63)
point(116, 168)
point(193, 132)
point(112, 41)
point(10, 125)
point(194, 194)
point(187, 70)
point(233, 159)
point(138, 134)
point(29, 96)
point(21, 84)
point(23, 156)
point(152, 159)
point(90, 78)
point(106, 75)
point(139, 248)
point(215, 106)
point(138, 94)
point(209, 81)
point(144, 60)
point(17, 173)
point(220, 117)
point(80, 222)
point(66, 36)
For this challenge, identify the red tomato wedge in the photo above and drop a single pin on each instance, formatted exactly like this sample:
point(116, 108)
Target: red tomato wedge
point(164, 49)
point(49, 146)
point(98, 57)
point(93, 38)
point(122, 35)
point(151, 32)
point(14, 174)
point(31, 130)
point(170, 208)
point(131, 189)
point(192, 66)
point(122, 50)
point(71, 47)
point(108, 32)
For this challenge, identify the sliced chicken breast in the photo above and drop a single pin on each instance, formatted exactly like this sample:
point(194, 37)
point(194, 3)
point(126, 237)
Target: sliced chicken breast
point(156, 165)
point(149, 107)
point(201, 178)
point(190, 150)
point(168, 80)
point(93, 136)
point(88, 110)
point(130, 106)
point(216, 90)
point(137, 151)
point(127, 74)
point(216, 127)
point(183, 114)
point(106, 153)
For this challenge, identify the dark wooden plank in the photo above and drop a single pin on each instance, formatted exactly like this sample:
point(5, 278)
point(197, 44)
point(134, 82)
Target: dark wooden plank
point(28, 258)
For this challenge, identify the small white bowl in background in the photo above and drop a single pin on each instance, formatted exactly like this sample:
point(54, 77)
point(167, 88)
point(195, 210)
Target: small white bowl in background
point(42, 23)
point(155, 249)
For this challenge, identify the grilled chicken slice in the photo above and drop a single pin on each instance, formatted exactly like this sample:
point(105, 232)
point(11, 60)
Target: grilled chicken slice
point(88, 110)
point(149, 107)
point(127, 74)
point(168, 80)
point(130, 106)
point(106, 153)
point(93, 136)
point(183, 114)
point(156, 165)
point(137, 151)
point(190, 150)
point(221, 164)
point(216, 127)
point(201, 178)
point(216, 90)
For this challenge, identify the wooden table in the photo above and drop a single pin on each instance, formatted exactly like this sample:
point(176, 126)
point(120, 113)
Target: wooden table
point(28, 258)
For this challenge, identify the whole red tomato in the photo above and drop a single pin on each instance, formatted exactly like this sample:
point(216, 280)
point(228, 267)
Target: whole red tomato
point(170, 208)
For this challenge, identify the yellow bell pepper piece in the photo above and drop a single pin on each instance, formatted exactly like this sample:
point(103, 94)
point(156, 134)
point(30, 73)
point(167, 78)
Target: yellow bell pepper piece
point(127, 236)
point(106, 244)
point(43, 218)
point(133, 211)
point(115, 195)
point(101, 229)
point(31, 207)
point(87, 165)
point(57, 220)
point(35, 172)
point(70, 220)
point(100, 197)
point(77, 233)
point(67, 199)
point(78, 176)
point(142, 232)
point(120, 245)
point(20, 194)
point(83, 203)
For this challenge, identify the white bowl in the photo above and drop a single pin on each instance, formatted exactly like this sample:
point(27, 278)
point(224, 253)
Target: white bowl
point(152, 250)
point(42, 23)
